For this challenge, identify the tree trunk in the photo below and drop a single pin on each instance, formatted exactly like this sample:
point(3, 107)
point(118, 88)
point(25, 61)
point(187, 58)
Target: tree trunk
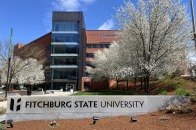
point(141, 84)
point(135, 83)
point(145, 84)
point(127, 84)
point(148, 86)
point(117, 84)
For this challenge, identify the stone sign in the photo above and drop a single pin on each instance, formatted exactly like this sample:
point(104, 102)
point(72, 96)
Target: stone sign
point(71, 107)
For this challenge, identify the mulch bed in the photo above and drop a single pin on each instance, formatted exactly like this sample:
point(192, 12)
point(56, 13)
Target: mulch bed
point(151, 121)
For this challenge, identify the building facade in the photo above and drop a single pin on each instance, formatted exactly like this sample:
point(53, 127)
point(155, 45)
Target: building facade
point(66, 50)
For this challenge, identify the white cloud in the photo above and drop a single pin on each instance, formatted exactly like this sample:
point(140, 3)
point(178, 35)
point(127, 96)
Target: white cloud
point(64, 5)
point(108, 25)
point(70, 5)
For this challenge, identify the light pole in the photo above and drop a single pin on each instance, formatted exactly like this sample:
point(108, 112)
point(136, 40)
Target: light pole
point(193, 21)
point(9, 60)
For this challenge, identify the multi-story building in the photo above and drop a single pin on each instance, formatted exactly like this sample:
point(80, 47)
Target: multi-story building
point(66, 50)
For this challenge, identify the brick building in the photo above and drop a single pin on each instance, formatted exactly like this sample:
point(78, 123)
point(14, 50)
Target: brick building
point(66, 50)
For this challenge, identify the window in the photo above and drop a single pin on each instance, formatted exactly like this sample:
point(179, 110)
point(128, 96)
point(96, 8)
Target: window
point(69, 74)
point(65, 60)
point(59, 85)
point(65, 26)
point(106, 45)
point(89, 55)
point(56, 37)
point(62, 49)
point(86, 85)
point(98, 45)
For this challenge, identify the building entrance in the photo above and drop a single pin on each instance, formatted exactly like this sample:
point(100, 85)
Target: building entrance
point(70, 87)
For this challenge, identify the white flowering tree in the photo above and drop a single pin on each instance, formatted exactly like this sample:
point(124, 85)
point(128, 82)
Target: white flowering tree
point(153, 34)
point(153, 40)
point(28, 71)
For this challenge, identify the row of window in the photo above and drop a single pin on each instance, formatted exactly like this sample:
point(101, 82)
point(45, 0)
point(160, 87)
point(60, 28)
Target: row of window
point(61, 37)
point(68, 60)
point(65, 49)
point(98, 45)
point(59, 49)
point(65, 26)
point(69, 74)
point(90, 55)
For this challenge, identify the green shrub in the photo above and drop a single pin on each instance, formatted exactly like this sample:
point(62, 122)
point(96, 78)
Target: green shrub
point(182, 92)
point(161, 91)
point(164, 92)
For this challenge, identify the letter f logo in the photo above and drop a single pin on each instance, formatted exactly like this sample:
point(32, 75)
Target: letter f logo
point(12, 104)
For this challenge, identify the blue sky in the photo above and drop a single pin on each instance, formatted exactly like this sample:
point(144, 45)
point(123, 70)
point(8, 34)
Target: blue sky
point(31, 19)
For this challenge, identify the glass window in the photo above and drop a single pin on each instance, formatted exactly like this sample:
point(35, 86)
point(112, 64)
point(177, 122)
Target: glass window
point(89, 55)
point(65, 60)
point(65, 37)
point(69, 74)
point(62, 49)
point(93, 45)
point(88, 45)
point(98, 45)
point(65, 26)
point(86, 85)
point(59, 85)
point(106, 45)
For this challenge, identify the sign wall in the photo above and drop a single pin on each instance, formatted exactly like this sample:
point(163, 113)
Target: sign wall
point(65, 107)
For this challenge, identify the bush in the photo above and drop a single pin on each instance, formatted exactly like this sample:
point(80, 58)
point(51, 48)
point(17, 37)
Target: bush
point(182, 92)
point(164, 92)
point(161, 91)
